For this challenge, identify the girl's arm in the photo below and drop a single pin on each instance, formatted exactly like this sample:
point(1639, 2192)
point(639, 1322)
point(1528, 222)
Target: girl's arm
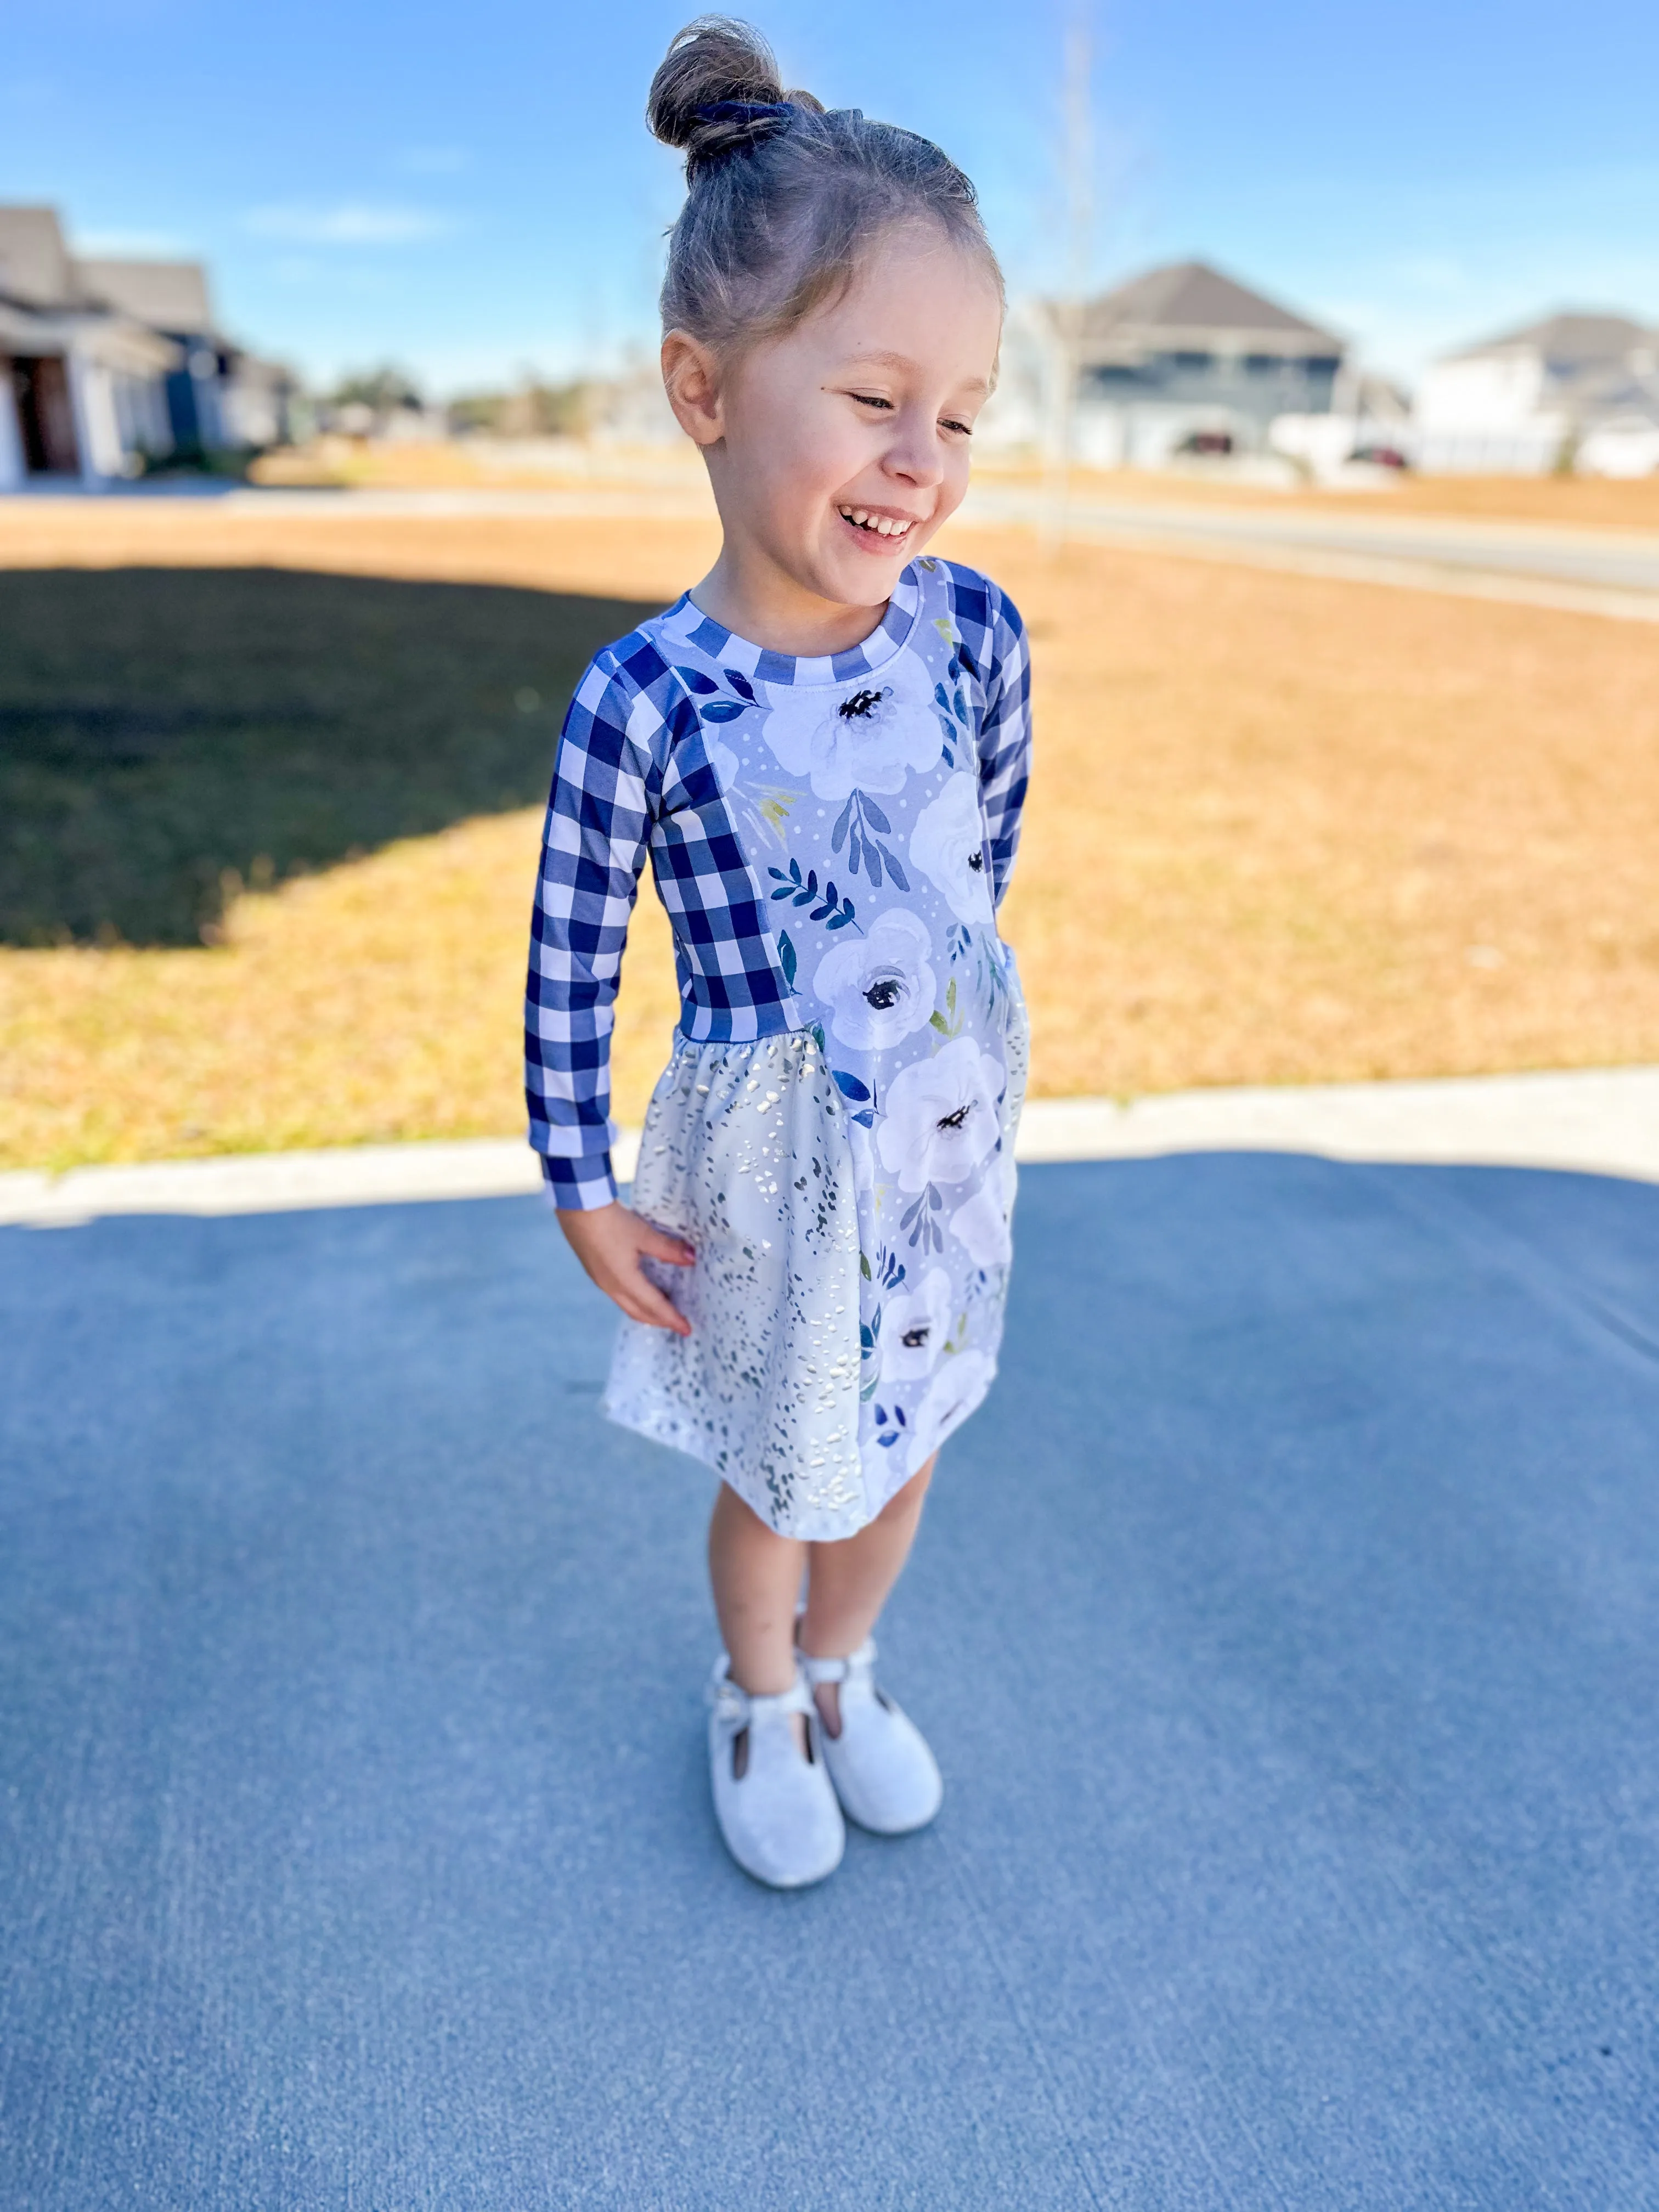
point(1004, 739)
point(593, 847)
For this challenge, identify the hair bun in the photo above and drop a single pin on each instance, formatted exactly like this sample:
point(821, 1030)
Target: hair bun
point(716, 62)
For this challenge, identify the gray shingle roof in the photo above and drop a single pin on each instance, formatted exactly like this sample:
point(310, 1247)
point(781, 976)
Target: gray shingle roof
point(1190, 304)
point(168, 295)
point(1570, 338)
point(34, 264)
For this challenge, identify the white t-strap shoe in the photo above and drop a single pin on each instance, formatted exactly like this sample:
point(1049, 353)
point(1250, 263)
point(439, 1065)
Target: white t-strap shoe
point(885, 1775)
point(776, 1808)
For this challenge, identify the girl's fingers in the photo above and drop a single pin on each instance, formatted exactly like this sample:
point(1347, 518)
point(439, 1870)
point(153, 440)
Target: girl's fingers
point(643, 1301)
point(672, 1249)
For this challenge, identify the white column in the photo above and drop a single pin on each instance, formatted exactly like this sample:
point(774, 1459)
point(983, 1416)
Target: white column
point(103, 454)
point(12, 471)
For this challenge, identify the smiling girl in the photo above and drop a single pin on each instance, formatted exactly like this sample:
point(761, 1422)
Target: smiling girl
point(822, 748)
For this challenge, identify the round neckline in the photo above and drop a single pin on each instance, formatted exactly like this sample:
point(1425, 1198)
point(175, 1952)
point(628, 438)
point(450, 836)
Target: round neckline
point(806, 671)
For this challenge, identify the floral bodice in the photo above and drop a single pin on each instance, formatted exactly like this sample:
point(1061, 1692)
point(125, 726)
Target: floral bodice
point(830, 838)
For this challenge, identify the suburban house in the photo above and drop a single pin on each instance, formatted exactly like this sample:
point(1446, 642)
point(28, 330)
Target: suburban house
point(220, 398)
point(1181, 359)
point(86, 390)
point(1575, 390)
point(106, 365)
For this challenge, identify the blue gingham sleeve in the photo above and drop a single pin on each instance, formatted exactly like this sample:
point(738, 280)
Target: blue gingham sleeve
point(1004, 738)
point(593, 847)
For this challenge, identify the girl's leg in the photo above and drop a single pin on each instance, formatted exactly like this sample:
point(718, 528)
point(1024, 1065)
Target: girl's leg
point(847, 1584)
point(755, 1575)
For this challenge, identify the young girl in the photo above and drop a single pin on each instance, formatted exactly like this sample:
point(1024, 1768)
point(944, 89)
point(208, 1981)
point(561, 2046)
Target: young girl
point(822, 749)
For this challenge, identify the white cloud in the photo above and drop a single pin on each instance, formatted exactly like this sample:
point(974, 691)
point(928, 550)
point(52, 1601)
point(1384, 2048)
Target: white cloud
point(352, 222)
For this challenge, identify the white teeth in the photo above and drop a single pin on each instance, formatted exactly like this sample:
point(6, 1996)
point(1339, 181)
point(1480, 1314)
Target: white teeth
point(882, 526)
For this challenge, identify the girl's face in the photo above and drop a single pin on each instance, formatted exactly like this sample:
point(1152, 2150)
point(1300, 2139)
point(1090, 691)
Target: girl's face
point(836, 451)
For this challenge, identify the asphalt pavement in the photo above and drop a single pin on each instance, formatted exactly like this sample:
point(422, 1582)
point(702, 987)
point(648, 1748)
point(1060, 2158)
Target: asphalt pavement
point(1607, 572)
point(1286, 1626)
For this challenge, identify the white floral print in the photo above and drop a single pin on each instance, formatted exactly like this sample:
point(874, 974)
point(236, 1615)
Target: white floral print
point(879, 988)
point(948, 846)
point(722, 760)
point(940, 1115)
point(867, 736)
point(983, 1225)
point(952, 1395)
point(914, 1325)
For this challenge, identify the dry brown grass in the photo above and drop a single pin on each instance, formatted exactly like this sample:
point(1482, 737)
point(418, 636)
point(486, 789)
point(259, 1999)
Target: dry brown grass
point(1282, 829)
point(1287, 830)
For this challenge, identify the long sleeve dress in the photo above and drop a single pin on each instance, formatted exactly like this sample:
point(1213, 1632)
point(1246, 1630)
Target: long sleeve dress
point(833, 1134)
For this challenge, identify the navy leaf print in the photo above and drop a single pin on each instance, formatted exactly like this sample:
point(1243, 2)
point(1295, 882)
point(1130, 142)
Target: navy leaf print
point(694, 680)
point(859, 821)
point(739, 683)
point(724, 710)
point(850, 1085)
point(786, 952)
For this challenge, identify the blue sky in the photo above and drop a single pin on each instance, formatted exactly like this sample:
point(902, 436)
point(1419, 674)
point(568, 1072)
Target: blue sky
point(473, 193)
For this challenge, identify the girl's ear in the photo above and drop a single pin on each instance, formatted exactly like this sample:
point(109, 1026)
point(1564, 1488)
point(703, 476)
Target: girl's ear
point(691, 377)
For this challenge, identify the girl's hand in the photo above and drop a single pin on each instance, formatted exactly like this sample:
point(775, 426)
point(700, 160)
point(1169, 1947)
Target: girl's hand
point(610, 1241)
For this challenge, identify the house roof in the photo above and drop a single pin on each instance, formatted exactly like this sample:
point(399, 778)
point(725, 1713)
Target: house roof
point(1572, 339)
point(25, 333)
point(168, 295)
point(35, 262)
point(1190, 306)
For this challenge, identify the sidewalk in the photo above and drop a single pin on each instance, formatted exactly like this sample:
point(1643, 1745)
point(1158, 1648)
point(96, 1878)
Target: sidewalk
point(1594, 1121)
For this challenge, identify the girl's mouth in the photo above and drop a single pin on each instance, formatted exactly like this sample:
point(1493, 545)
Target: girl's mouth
point(883, 529)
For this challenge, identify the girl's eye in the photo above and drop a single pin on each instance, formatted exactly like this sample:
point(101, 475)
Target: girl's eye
point(966, 429)
point(872, 399)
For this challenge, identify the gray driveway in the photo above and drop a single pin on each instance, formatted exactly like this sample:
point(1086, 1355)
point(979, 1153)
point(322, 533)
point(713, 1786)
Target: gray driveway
point(1286, 1626)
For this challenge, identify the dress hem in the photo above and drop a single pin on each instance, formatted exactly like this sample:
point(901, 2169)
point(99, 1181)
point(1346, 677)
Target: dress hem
point(682, 1436)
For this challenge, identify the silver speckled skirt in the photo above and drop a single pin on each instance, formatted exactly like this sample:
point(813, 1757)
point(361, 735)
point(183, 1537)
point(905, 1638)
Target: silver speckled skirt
point(751, 1154)
point(744, 1153)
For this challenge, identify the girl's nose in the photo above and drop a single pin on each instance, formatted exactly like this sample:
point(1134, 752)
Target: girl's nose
point(916, 454)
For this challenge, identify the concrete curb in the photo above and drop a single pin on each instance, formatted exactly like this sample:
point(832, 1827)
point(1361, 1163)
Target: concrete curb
point(1592, 1121)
